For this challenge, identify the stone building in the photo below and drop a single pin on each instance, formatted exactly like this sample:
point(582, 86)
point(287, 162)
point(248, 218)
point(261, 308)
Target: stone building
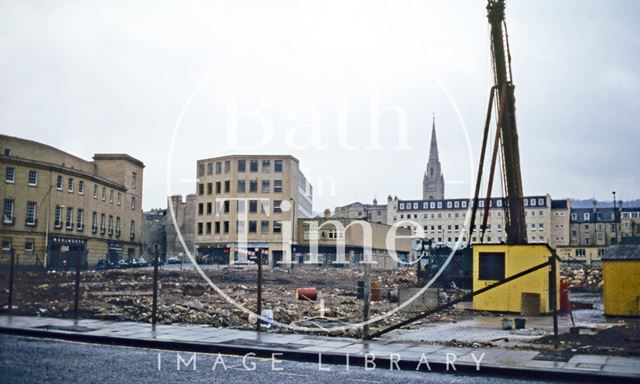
point(185, 215)
point(58, 207)
point(444, 220)
point(375, 212)
point(328, 233)
point(247, 204)
point(433, 180)
point(154, 233)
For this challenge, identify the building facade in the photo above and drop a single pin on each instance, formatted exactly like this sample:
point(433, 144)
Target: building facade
point(375, 212)
point(443, 220)
point(433, 180)
point(185, 214)
point(247, 204)
point(59, 208)
point(154, 233)
point(327, 233)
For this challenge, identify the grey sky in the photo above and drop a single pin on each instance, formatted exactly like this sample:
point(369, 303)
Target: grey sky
point(96, 76)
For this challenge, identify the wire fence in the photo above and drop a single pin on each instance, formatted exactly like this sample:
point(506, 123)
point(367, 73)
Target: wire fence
point(319, 299)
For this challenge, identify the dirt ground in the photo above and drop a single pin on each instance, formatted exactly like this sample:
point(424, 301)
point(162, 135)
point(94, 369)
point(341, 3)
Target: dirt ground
point(185, 297)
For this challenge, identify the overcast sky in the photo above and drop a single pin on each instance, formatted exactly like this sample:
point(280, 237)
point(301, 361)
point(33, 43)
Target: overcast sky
point(127, 76)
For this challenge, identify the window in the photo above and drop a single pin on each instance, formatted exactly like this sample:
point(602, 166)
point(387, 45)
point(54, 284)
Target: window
point(94, 222)
point(253, 166)
point(200, 170)
point(7, 216)
point(59, 183)
point(111, 196)
point(104, 193)
point(209, 169)
point(6, 245)
point(264, 226)
point(57, 219)
point(200, 208)
point(225, 206)
point(586, 216)
point(266, 166)
point(210, 188)
point(227, 166)
point(118, 198)
point(491, 266)
point(225, 227)
point(277, 186)
point(118, 226)
point(81, 187)
point(242, 165)
point(540, 202)
point(209, 208)
point(132, 230)
point(110, 225)
point(264, 206)
point(218, 167)
point(31, 213)
point(95, 189)
point(253, 226)
point(208, 228)
point(277, 165)
point(200, 189)
point(33, 178)
point(253, 206)
point(218, 187)
point(266, 186)
point(28, 245)
point(80, 219)
point(134, 180)
point(70, 184)
point(277, 227)
point(253, 186)
point(10, 175)
point(241, 186)
point(227, 186)
point(276, 206)
point(102, 223)
point(69, 218)
point(217, 227)
point(133, 203)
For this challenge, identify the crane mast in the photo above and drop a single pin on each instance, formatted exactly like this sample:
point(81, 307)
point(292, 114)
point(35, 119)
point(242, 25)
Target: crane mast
point(516, 226)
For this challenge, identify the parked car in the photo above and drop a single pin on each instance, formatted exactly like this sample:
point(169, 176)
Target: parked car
point(104, 264)
point(153, 261)
point(142, 262)
point(122, 264)
point(173, 260)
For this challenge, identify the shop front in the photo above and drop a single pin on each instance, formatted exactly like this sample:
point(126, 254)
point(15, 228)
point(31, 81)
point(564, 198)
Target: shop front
point(65, 252)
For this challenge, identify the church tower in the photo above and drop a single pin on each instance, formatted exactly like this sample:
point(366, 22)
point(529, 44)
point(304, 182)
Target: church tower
point(433, 181)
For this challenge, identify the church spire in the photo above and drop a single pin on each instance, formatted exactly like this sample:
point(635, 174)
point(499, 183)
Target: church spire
point(433, 180)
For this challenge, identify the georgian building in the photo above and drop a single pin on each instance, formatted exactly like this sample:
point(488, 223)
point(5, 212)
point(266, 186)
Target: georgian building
point(376, 213)
point(443, 220)
point(58, 207)
point(247, 204)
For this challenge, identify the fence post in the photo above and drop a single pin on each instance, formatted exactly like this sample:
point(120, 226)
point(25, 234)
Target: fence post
point(259, 304)
point(553, 298)
point(367, 299)
point(11, 272)
point(77, 285)
point(154, 307)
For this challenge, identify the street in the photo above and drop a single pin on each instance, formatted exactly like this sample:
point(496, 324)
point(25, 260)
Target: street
point(29, 360)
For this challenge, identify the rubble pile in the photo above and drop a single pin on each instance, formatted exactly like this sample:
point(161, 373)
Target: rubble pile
point(184, 297)
point(583, 279)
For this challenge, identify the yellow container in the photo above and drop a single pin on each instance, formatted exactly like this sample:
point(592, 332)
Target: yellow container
point(494, 262)
point(621, 268)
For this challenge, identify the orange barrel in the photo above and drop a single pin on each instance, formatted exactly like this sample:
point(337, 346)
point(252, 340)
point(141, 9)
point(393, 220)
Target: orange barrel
point(565, 306)
point(306, 294)
point(376, 291)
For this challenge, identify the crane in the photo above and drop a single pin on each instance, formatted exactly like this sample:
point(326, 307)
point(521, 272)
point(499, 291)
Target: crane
point(506, 136)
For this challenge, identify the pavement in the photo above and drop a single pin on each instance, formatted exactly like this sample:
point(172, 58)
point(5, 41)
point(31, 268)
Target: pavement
point(385, 354)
